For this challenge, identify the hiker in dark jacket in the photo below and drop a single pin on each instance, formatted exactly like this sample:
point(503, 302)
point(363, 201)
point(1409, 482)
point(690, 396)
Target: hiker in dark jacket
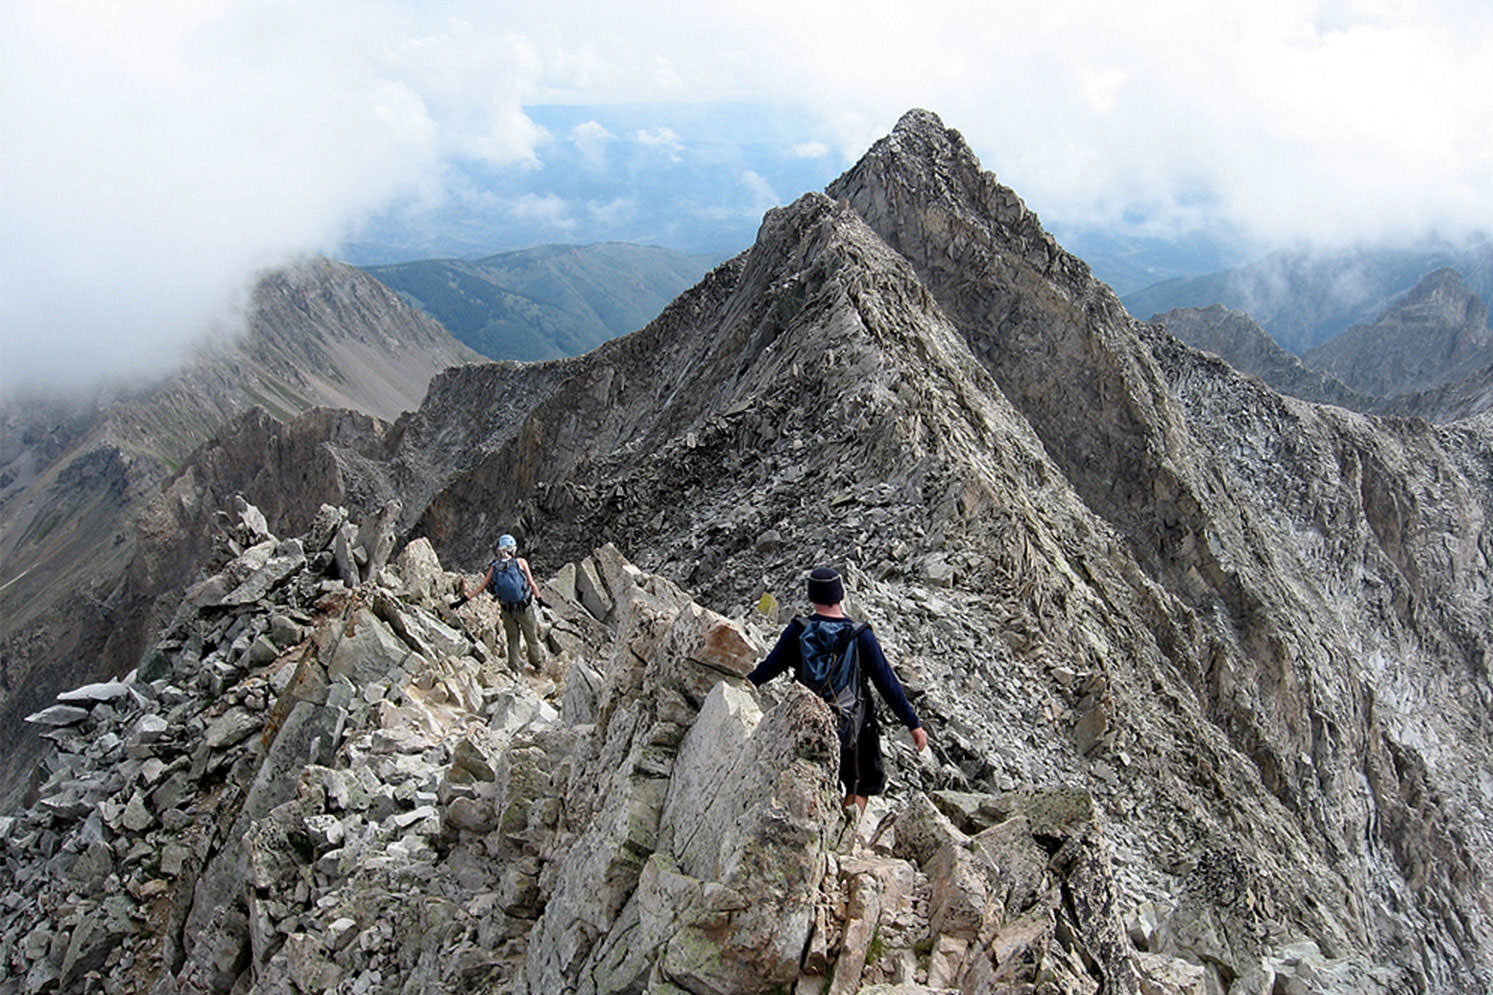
point(518, 614)
point(861, 768)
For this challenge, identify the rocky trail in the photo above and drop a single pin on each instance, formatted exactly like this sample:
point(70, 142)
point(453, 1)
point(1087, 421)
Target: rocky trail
point(315, 786)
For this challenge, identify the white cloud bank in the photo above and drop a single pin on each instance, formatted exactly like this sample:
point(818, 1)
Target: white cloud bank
point(156, 154)
point(1288, 119)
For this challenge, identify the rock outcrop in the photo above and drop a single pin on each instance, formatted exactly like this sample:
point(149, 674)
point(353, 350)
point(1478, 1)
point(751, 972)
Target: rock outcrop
point(73, 477)
point(310, 786)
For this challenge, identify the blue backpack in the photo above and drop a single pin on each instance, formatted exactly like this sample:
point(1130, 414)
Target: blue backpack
point(831, 667)
point(508, 584)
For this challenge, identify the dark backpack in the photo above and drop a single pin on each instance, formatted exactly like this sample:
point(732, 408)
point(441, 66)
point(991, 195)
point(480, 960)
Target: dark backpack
point(508, 584)
point(831, 668)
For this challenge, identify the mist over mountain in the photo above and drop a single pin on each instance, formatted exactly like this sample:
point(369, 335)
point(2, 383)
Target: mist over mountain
point(1435, 334)
point(74, 477)
point(1307, 298)
point(545, 302)
point(1205, 666)
point(1430, 355)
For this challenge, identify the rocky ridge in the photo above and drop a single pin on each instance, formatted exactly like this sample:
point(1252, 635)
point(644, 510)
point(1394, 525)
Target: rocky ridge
point(1238, 339)
point(72, 479)
point(315, 786)
point(1253, 630)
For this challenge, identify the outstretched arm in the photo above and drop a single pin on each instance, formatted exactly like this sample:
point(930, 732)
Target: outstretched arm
point(784, 656)
point(486, 579)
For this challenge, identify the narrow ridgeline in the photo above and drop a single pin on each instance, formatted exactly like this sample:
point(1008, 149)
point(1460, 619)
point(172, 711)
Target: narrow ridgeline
point(311, 785)
point(1225, 652)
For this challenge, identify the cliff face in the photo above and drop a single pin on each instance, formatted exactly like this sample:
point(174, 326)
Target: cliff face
point(1249, 630)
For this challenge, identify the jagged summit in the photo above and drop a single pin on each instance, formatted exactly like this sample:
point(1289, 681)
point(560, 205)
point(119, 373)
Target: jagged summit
point(1252, 629)
point(922, 186)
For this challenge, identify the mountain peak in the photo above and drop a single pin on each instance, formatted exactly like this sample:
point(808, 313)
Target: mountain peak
point(923, 162)
point(920, 130)
point(1444, 295)
point(1435, 334)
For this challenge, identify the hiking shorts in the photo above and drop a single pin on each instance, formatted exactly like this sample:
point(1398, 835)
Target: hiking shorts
point(861, 769)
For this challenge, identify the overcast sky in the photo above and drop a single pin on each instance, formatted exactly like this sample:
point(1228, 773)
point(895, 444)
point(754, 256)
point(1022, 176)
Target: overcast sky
point(156, 155)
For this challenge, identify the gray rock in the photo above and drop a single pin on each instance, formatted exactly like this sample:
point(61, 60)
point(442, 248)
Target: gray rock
point(324, 526)
point(284, 632)
point(137, 817)
point(58, 715)
point(232, 727)
point(90, 694)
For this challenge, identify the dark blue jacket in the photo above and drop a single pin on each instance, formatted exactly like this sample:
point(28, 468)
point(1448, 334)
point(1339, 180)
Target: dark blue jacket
point(787, 655)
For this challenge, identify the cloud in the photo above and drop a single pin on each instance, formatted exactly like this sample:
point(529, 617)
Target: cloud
point(1285, 119)
point(613, 212)
point(590, 139)
point(547, 209)
point(809, 150)
point(661, 138)
point(763, 195)
point(158, 155)
point(1331, 121)
point(1328, 121)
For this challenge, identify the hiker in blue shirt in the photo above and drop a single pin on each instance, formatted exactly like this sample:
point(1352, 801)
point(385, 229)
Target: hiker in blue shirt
point(861, 769)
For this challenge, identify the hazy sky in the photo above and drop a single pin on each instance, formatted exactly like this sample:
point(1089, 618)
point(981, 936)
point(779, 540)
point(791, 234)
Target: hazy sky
point(155, 155)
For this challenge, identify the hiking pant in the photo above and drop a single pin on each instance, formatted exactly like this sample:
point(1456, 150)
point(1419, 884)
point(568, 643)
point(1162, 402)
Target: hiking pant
point(862, 771)
point(524, 619)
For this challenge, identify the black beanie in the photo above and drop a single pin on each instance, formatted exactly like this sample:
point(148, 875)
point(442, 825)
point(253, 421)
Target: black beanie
point(825, 587)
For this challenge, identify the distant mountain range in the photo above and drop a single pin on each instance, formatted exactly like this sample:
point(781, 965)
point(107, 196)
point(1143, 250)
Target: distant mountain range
point(1305, 298)
point(1429, 355)
point(1432, 336)
point(546, 302)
